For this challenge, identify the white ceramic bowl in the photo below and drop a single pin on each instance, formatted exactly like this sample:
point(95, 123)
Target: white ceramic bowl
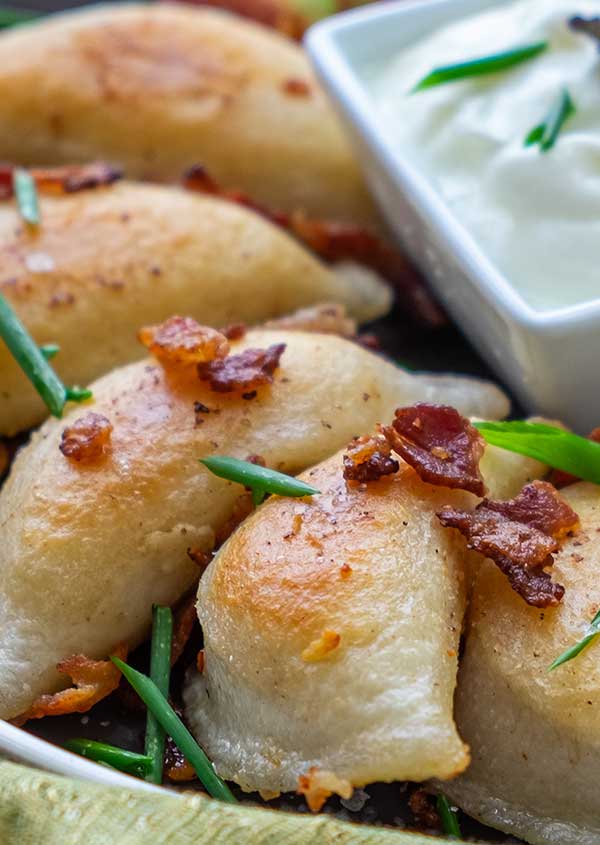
point(551, 360)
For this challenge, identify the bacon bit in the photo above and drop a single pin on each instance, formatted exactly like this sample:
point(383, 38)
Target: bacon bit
point(200, 557)
point(177, 768)
point(257, 460)
point(87, 439)
point(559, 477)
point(93, 680)
point(181, 340)
point(236, 331)
point(243, 507)
point(200, 661)
point(325, 319)
point(345, 571)
point(335, 242)
point(369, 341)
point(317, 785)
point(63, 180)
point(4, 458)
point(296, 87)
point(250, 369)
point(520, 536)
point(319, 649)
point(441, 445)
point(422, 806)
point(185, 619)
point(368, 458)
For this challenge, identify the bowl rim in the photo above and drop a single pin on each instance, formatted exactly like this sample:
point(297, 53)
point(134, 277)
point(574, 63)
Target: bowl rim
point(341, 76)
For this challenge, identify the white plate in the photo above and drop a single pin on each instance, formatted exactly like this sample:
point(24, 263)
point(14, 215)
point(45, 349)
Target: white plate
point(550, 359)
point(21, 747)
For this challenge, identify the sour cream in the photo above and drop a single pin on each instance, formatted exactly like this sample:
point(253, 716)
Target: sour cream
point(536, 216)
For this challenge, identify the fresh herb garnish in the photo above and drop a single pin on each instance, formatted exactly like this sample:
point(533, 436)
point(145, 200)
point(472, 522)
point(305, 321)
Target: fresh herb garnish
point(448, 817)
point(78, 394)
point(118, 758)
point(33, 363)
point(259, 479)
point(546, 133)
point(10, 16)
point(174, 727)
point(553, 446)
point(27, 196)
point(160, 672)
point(480, 67)
point(588, 638)
point(49, 350)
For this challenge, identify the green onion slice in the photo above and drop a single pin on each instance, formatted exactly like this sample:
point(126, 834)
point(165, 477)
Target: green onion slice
point(49, 350)
point(589, 637)
point(10, 16)
point(78, 394)
point(553, 446)
point(174, 727)
point(160, 672)
point(33, 363)
point(118, 758)
point(259, 479)
point(546, 133)
point(26, 195)
point(448, 817)
point(480, 67)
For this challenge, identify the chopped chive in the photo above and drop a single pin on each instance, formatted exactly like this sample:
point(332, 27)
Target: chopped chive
point(479, 67)
point(589, 637)
point(78, 394)
point(174, 727)
point(49, 350)
point(10, 16)
point(26, 195)
point(448, 817)
point(160, 673)
point(547, 132)
point(554, 446)
point(28, 356)
point(259, 479)
point(118, 758)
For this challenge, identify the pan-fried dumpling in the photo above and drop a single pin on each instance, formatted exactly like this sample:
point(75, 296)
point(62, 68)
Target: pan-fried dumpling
point(159, 87)
point(104, 261)
point(85, 549)
point(534, 734)
point(331, 634)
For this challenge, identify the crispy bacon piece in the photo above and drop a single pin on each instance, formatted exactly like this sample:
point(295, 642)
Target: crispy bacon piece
point(242, 507)
point(4, 459)
point(177, 768)
point(184, 621)
point(87, 439)
point(93, 680)
point(182, 341)
point(334, 241)
point(326, 319)
point(422, 806)
point(560, 478)
point(245, 371)
point(369, 458)
point(63, 180)
point(317, 785)
point(235, 331)
point(520, 536)
point(441, 445)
